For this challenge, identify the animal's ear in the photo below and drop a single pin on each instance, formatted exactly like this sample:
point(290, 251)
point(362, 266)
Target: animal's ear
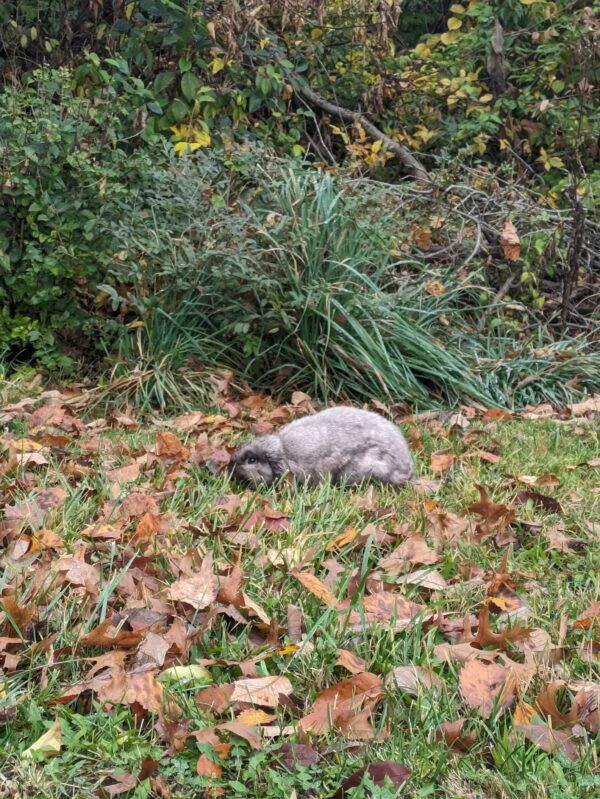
point(275, 455)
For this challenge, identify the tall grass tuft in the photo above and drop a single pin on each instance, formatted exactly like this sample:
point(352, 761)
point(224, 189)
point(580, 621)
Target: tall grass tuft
point(293, 281)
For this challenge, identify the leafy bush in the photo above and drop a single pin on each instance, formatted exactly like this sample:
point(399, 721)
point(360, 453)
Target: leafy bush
point(69, 171)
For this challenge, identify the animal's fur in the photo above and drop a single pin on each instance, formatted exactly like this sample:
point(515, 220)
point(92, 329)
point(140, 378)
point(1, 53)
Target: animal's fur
point(349, 444)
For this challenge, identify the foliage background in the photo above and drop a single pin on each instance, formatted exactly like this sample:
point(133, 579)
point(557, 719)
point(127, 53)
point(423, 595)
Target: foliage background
point(241, 254)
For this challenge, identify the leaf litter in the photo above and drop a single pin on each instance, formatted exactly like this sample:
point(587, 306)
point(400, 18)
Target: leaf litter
point(144, 601)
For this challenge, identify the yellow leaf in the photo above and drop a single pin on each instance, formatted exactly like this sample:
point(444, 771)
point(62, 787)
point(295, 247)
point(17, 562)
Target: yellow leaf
point(263, 43)
point(450, 37)
point(422, 50)
point(48, 745)
point(33, 34)
point(288, 649)
point(527, 2)
point(454, 24)
point(376, 146)
point(216, 65)
point(486, 98)
point(129, 9)
point(23, 40)
point(457, 9)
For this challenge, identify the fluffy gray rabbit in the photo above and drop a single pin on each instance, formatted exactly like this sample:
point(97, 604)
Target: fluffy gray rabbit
point(349, 444)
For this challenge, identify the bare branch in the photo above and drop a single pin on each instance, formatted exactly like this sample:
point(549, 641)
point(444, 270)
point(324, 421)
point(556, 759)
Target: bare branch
point(407, 159)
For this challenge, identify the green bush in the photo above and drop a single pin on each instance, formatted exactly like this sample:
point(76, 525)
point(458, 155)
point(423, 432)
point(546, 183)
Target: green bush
point(69, 170)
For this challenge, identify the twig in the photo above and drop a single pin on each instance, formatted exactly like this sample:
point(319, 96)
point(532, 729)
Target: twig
point(496, 299)
point(407, 159)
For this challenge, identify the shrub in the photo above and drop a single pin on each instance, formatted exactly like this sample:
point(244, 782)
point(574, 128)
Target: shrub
point(68, 172)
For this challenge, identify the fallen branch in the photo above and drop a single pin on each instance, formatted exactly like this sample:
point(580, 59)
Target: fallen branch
point(407, 159)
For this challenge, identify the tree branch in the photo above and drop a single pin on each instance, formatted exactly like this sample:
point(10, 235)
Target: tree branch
point(407, 159)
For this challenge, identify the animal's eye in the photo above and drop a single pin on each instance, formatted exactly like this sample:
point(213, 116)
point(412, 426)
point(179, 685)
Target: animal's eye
point(250, 459)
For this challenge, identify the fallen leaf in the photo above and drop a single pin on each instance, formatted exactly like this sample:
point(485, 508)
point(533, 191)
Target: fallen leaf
point(292, 755)
point(340, 702)
point(509, 241)
point(549, 740)
point(255, 716)
point(245, 731)
point(451, 733)
point(316, 587)
point(413, 679)
point(350, 661)
point(200, 590)
point(486, 686)
point(413, 550)
point(590, 615)
point(169, 446)
point(539, 500)
point(206, 768)
point(48, 745)
point(424, 578)
point(379, 773)
point(441, 461)
point(265, 691)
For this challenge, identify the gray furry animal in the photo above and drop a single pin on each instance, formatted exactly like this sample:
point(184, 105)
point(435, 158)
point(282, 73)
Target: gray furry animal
point(349, 444)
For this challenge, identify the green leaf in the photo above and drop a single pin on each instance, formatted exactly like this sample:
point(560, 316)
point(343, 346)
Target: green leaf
point(163, 80)
point(184, 65)
point(189, 85)
point(178, 110)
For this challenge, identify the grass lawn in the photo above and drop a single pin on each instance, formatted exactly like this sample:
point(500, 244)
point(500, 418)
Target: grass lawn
point(103, 516)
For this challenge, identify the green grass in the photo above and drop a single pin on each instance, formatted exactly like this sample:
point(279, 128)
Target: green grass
point(98, 742)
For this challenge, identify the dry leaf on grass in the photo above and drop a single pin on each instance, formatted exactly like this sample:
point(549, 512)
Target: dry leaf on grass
point(341, 702)
point(487, 687)
point(451, 732)
point(200, 590)
point(413, 679)
point(379, 773)
point(316, 587)
point(265, 691)
point(350, 661)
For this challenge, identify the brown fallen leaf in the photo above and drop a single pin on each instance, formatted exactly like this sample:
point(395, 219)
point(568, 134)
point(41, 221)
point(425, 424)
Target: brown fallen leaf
point(445, 527)
point(590, 615)
point(215, 698)
point(413, 679)
point(350, 661)
point(143, 688)
point(265, 691)
point(200, 590)
point(509, 241)
point(381, 608)
point(316, 587)
point(169, 446)
point(205, 767)
point(292, 755)
point(441, 461)
point(379, 773)
point(496, 517)
point(463, 653)
point(424, 578)
point(550, 740)
point(124, 474)
point(539, 500)
point(451, 733)
point(254, 716)
point(413, 550)
point(340, 702)
point(487, 686)
point(548, 480)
